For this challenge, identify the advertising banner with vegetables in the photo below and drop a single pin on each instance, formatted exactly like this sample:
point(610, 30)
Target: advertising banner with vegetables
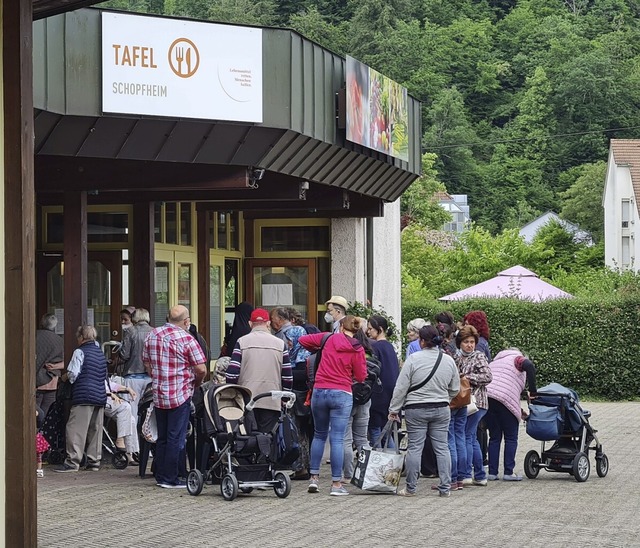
point(377, 113)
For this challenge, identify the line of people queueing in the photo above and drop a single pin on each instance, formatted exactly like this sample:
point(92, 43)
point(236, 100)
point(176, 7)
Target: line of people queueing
point(441, 352)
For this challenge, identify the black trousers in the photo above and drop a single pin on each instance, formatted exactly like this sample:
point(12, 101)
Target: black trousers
point(266, 419)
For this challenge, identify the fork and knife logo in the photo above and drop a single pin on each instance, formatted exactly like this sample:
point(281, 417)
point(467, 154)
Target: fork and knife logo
point(184, 58)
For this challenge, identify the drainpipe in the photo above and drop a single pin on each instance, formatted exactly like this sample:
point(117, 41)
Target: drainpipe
point(369, 258)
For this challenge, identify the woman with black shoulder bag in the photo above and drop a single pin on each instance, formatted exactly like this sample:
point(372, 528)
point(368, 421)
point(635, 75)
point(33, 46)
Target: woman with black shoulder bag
point(427, 383)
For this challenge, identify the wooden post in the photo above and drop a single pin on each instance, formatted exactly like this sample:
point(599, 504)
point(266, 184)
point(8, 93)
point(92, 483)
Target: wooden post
point(142, 263)
point(75, 268)
point(19, 292)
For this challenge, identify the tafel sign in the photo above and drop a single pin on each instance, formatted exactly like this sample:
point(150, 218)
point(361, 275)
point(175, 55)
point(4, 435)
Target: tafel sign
point(186, 69)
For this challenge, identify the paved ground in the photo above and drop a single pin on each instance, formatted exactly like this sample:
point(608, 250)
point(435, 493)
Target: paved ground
point(117, 508)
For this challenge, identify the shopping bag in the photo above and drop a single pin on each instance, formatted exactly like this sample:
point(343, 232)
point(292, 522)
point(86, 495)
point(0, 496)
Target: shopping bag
point(149, 426)
point(379, 468)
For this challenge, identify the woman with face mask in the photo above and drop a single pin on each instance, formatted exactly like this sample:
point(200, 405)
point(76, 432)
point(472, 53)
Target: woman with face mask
point(125, 318)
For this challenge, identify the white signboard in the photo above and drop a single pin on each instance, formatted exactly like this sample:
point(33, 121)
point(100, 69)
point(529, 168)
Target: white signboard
point(184, 69)
point(277, 295)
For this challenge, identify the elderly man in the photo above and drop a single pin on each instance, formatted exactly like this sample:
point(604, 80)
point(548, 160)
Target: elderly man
point(176, 364)
point(280, 323)
point(260, 361)
point(87, 372)
point(49, 362)
point(336, 310)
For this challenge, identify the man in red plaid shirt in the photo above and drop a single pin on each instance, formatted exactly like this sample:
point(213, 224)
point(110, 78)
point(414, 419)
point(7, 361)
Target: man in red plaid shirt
point(175, 361)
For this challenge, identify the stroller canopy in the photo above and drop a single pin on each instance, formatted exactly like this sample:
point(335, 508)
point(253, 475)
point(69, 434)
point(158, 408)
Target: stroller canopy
point(226, 406)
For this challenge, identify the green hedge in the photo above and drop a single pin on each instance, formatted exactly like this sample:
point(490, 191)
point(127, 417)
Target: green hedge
point(593, 348)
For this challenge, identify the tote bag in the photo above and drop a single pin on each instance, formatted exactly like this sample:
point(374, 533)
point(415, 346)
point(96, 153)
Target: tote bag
point(379, 469)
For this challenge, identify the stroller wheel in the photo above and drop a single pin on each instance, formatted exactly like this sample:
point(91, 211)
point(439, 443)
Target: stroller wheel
point(531, 464)
point(246, 490)
point(119, 460)
point(602, 465)
point(581, 467)
point(195, 482)
point(229, 487)
point(283, 488)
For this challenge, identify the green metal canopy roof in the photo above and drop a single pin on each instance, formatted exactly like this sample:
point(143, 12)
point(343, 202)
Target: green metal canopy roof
point(298, 136)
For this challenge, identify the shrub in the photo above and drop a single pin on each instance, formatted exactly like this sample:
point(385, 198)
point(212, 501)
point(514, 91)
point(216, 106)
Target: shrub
point(589, 346)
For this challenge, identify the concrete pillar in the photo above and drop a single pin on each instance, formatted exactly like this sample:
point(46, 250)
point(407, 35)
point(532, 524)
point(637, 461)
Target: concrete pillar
point(348, 259)
point(386, 263)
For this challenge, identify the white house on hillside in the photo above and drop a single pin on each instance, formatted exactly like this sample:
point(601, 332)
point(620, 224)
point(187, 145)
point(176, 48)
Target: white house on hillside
point(621, 191)
point(456, 204)
point(529, 230)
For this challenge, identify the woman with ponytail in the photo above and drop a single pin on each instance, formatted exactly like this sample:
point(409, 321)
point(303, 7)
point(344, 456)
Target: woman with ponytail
point(378, 329)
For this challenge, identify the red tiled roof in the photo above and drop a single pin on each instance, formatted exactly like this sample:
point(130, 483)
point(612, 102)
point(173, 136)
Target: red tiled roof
point(627, 151)
point(440, 196)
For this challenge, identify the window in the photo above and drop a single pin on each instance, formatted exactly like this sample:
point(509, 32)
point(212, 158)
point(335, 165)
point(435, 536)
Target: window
point(173, 223)
point(626, 252)
point(102, 227)
point(626, 213)
point(223, 230)
point(295, 238)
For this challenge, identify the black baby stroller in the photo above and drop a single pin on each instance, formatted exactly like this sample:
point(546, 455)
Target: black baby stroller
point(556, 415)
point(242, 458)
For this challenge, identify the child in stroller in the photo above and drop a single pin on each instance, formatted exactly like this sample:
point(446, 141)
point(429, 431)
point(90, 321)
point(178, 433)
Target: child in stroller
point(243, 459)
point(556, 415)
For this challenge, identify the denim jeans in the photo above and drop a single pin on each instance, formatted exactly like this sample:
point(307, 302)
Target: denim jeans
point(374, 434)
point(434, 423)
point(356, 434)
point(331, 411)
point(457, 443)
point(172, 431)
point(501, 423)
point(474, 468)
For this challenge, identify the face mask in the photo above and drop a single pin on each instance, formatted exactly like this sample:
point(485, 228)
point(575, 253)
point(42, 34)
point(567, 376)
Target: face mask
point(126, 326)
point(328, 318)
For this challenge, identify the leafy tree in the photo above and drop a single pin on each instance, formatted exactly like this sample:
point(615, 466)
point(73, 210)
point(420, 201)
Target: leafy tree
point(419, 203)
point(582, 201)
point(255, 12)
point(448, 131)
point(555, 238)
point(312, 25)
point(371, 22)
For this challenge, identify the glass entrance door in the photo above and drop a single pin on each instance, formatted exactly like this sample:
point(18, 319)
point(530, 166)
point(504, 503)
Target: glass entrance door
point(104, 291)
point(216, 303)
point(283, 282)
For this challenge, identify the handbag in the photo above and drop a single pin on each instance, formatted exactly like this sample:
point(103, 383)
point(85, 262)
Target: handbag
point(464, 396)
point(472, 407)
point(300, 408)
point(379, 468)
point(285, 448)
point(150, 426)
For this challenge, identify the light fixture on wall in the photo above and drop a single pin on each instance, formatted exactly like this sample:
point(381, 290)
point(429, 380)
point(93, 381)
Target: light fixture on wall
point(302, 192)
point(346, 204)
point(255, 175)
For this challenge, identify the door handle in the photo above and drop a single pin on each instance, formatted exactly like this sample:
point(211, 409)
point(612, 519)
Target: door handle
point(114, 333)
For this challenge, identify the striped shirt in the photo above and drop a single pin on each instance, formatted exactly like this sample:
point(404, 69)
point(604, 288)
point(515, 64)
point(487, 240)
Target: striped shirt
point(172, 353)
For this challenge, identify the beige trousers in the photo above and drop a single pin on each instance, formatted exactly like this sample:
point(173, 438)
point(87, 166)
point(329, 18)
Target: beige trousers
point(84, 435)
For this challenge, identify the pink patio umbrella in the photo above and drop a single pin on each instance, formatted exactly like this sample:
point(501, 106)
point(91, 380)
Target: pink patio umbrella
point(515, 282)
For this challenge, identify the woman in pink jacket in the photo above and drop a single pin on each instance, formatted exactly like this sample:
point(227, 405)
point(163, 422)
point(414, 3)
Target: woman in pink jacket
point(342, 360)
point(510, 371)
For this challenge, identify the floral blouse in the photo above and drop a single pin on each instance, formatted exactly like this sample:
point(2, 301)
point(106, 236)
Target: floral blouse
point(476, 368)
